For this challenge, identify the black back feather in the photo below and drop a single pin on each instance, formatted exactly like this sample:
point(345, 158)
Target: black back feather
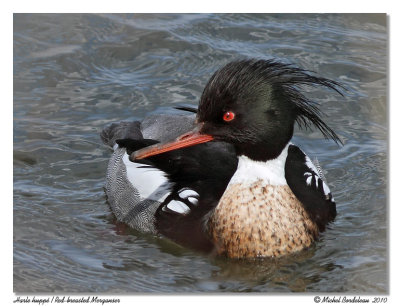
point(189, 109)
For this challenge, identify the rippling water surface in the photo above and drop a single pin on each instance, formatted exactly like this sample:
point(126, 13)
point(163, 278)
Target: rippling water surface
point(73, 74)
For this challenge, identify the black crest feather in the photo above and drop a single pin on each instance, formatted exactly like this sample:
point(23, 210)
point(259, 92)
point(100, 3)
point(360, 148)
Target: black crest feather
point(286, 79)
point(291, 78)
point(189, 109)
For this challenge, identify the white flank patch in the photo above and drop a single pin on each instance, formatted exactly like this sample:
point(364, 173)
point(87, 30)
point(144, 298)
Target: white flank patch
point(272, 172)
point(185, 193)
point(311, 165)
point(178, 206)
point(309, 178)
point(192, 200)
point(326, 189)
point(150, 182)
point(310, 175)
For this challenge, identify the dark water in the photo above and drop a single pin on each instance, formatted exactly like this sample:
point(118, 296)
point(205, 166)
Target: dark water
point(73, 74)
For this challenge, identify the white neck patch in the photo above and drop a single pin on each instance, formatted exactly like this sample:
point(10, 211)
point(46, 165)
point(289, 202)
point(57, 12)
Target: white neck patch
point(272, 172)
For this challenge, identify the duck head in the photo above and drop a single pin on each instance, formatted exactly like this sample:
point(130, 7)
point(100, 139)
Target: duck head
point(252, 104)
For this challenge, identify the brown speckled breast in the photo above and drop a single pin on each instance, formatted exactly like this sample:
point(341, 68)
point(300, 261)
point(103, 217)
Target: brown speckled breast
point(257, 220)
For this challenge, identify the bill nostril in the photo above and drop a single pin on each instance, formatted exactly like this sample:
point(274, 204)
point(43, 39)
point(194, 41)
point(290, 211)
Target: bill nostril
point(184, 136)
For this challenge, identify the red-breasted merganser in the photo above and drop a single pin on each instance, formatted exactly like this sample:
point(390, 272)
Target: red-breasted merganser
point(226, 179)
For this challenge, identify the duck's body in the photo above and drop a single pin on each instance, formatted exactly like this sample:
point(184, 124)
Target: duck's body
point(228, 184)
point(273, 222)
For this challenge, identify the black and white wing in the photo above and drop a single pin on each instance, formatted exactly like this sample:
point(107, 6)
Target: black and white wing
point(186, 183)
point(304, 178)
point(170, 193)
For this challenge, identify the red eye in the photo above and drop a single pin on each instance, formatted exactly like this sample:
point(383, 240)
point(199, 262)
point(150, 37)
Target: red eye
point(229, 116)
